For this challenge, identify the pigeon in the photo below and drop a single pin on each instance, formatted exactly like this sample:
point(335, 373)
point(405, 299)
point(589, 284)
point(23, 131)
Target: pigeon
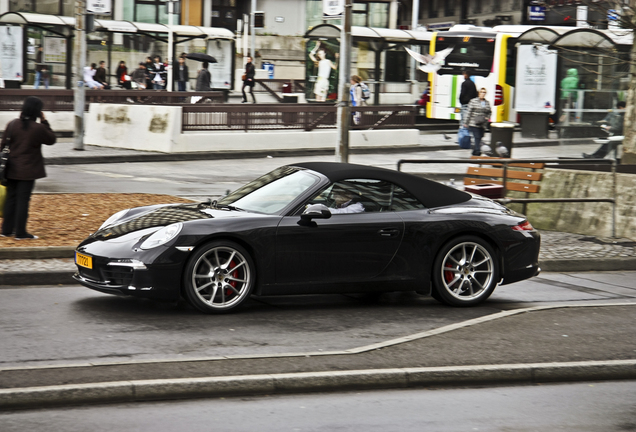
point(430, 64)
point(446, 137)
point(502, 150)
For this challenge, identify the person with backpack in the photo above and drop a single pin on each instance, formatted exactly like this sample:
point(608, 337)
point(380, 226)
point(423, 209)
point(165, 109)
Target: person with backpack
point(359, 95)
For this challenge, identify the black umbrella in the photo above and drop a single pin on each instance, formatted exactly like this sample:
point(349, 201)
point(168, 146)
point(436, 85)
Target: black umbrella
point(201, 57)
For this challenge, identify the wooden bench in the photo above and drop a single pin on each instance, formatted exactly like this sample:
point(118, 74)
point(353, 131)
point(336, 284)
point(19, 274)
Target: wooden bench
point(526, 179)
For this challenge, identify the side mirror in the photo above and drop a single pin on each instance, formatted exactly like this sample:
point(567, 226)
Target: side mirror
point(315, 211)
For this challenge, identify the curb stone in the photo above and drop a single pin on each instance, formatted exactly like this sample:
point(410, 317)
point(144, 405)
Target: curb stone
point(188, 388)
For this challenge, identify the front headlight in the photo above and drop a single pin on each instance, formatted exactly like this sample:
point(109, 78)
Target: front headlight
point(114, 218)
point(162, 236)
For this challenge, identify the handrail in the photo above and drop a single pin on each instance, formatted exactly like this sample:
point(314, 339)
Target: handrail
point(506, 162)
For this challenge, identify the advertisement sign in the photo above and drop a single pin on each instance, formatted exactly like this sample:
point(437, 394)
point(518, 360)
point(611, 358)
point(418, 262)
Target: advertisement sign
point(536, 13)
point(221, 71)
point(54, 50)
point(321, 73)
point(332, 9)
point(11, 53)
point(536, 79)
point(99, 7)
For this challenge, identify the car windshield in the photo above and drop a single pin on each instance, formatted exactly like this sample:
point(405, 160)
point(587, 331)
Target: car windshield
point(272, 192)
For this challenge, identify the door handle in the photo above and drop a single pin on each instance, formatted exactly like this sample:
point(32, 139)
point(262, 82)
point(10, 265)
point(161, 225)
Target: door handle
point(388, 232)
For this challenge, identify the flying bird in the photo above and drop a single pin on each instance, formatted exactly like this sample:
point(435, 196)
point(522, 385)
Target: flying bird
point(430, 63)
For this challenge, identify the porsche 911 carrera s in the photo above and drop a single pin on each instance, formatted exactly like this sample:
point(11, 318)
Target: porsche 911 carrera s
point(313, 228)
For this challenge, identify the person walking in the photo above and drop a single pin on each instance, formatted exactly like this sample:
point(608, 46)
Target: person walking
point(357, 97)
point(248, 79)
point(467, 92)
point(477, 115)
point(204, 78)
point(41, 70)
point(25, 138)
point(181, 75)
point(123, 79)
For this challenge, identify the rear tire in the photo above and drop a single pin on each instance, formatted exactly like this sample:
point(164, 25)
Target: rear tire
point(466, 272)
point(219, 277)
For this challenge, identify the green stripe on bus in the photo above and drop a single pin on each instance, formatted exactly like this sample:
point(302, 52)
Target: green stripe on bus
point(453, 95)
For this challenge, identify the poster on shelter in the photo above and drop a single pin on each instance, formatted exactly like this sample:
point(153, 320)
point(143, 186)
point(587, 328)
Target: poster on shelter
point(321, 75)
point(11, 53)
point(535, 79)
point(54, 50)
point(221, 71)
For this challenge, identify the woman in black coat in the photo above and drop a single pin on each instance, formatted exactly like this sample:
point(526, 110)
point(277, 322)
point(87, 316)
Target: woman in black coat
point(25, 165)
point(122, 72)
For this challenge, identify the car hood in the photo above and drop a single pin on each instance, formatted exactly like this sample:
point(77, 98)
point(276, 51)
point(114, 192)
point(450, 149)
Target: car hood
point(161, 216)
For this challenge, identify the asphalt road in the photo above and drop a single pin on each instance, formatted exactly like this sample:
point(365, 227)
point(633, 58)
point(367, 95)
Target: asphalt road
point(69, 324)
point(581, 407)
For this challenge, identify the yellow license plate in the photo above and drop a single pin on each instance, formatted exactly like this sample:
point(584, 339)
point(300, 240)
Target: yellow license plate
point(83, 260)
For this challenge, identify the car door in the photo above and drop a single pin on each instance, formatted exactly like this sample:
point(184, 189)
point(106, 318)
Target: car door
point(347, 246)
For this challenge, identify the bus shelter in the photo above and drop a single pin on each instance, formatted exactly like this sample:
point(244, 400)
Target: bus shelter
point(592, 72)
point(377, 56)
point(133, 40)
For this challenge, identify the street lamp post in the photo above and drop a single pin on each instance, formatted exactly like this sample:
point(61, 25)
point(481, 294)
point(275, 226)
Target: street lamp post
point(170, 43)
point(344, 85)
point(79, 95)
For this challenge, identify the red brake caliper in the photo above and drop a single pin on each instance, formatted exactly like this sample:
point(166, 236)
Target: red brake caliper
point(448, 275)
point(234, 274)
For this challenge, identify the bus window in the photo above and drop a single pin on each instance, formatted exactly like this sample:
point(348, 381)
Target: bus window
point(475, 54)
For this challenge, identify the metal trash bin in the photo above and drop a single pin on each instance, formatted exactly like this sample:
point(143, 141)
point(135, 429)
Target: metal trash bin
point(535, 125)
point(501, 138)
point(290, 118)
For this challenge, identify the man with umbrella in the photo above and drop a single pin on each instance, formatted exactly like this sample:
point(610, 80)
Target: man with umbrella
point(204, 77)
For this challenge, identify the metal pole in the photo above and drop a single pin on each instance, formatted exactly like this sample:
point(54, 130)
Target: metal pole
point(170, 44)
point(252, 17)
point(414, 22)
point(344, 85)
point(79, 95)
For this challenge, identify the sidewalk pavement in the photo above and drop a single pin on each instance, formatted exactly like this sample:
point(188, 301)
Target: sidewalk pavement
point(569, 342)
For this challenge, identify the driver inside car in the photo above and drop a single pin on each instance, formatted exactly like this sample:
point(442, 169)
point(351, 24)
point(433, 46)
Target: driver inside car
point(344, 202)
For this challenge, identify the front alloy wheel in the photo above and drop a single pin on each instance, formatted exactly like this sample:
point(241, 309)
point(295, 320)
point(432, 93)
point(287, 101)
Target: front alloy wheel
point(219, 277)
point(466, 272)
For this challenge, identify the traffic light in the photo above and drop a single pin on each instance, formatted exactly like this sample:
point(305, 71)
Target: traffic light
point(259, 19)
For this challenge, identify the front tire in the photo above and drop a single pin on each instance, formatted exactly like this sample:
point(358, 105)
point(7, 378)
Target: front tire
point(219, 277)
point(466, 272)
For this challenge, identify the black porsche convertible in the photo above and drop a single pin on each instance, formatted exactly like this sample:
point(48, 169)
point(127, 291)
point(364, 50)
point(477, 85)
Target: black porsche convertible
point(313, 228)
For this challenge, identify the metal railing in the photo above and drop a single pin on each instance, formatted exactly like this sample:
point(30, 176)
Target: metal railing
point(291, 116)
point(550, 163)
point(62, 100)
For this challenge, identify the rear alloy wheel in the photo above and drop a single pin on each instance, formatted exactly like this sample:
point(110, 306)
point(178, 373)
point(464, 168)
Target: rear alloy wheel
point(466, 272)
point(219, 277)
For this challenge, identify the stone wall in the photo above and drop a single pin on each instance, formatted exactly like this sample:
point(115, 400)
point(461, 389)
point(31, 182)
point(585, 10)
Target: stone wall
point(584, 218)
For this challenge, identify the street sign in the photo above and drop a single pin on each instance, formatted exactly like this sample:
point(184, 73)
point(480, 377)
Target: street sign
point(99, 7)
point(332, 9)
point(536, 13)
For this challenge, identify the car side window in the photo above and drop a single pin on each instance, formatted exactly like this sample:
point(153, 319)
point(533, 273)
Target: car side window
point(365, 195)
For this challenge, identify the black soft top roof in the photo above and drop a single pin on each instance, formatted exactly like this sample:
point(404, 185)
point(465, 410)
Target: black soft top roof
point(428, 192)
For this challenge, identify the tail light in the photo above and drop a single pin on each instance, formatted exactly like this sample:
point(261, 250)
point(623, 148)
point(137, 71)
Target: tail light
point(499, 96)
point(523, 226)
